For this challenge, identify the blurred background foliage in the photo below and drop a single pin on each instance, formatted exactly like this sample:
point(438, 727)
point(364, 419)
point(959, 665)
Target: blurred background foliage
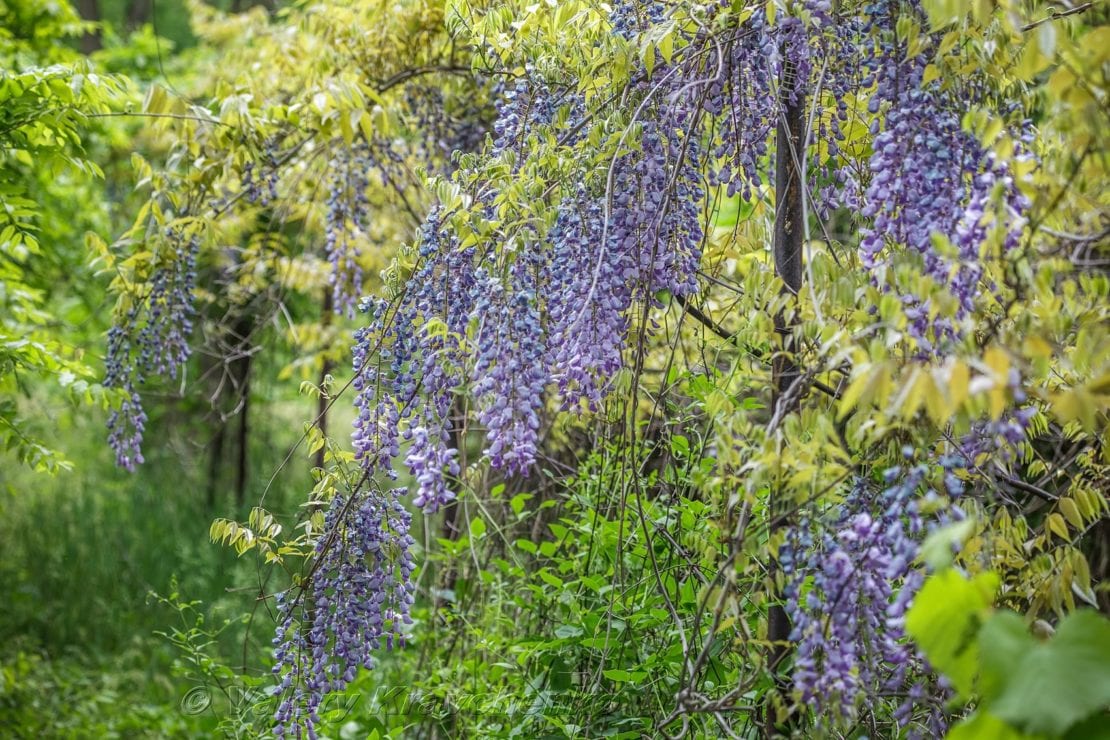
point(84, 550)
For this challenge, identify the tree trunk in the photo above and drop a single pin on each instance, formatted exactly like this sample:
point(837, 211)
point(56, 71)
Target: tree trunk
point(325, 370)
point(139, 12)
point(241, 381)
point(787, 247)
point(215, 463)
point(90, 11)
point(241, 464)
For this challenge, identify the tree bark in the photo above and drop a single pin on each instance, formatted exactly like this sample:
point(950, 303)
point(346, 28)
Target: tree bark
point(242, 463)
point(215, 463)
point(241, 381)
point(139, 12)
point(325, 370)
point(90, 11)
point(789, 236)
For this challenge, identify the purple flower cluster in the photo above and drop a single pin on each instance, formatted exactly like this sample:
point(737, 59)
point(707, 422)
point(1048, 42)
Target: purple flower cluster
point(930, 177)
point(742, 99)
point(849, 585)
point(848, 624)
point(745, 93)
point(1000, 437)
point(587, 337)
point(261, 190)
point(448, 123)
point(409, 361)
point(431, 460)
point(265, 192)
point(347, 221)
point(521, 107)
point(358, 599)
point(125, 432)
point(927, 176)
point(152, 338)
point(510, 372)
point(642, 234)
point(630, 19)
point(655, 218)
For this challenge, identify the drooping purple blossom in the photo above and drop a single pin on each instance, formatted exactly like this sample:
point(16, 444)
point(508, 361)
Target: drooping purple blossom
point(346, 224)
point(510, 369)
point(1000, 438)
point(614, 246)
point(630, 19)
point(449, 123)
point(125, 432)
point(522, 106)
point(930, 178)
point(618, 247)
point(262, 189)
point(358, 600)
point(587, 338)
point(151, 338)
point(849, 586)
point(409, 361)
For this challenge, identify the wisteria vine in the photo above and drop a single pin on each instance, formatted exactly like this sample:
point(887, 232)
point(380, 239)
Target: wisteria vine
point(543, 308)
point(554, 312)
point(358, 600)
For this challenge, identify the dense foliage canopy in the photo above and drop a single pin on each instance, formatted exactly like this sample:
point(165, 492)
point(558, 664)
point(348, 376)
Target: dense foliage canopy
point(713, 369)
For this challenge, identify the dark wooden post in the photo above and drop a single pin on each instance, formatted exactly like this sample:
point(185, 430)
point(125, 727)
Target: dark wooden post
point(325, 370)
point(789, 236)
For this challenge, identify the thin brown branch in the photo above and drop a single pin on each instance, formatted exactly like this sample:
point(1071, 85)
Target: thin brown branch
point(1056, 15)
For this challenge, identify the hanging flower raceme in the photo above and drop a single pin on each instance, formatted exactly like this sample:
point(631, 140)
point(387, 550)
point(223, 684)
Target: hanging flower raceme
point(741, 96)
point(359, 590)
point(408, 362)
point(347, 223)
point(848, 590)
point(358, 600)
point(587, 294)
point(931, 179)
point(522, 310)
point(620, 245)
point(151, 338)
point(451, 124)
point(510, 370)
point(522, 106)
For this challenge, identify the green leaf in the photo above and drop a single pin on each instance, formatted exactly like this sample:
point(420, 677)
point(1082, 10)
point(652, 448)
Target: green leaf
point(939, 548)
point(1003, 641)
point(567, 630)
point(621, 676)
point(1095, 728)
point(944, 621)
point(984, 726)
point(517, 502)
point(1060, 682)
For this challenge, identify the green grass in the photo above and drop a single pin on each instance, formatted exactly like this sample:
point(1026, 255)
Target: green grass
point(80, 554)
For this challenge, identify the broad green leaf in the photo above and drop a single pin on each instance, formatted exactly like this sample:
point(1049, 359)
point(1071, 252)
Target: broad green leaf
point(1063, 681)
point(939, 548)
point(1003, 641)
point(984, 726)
point(944, 621)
